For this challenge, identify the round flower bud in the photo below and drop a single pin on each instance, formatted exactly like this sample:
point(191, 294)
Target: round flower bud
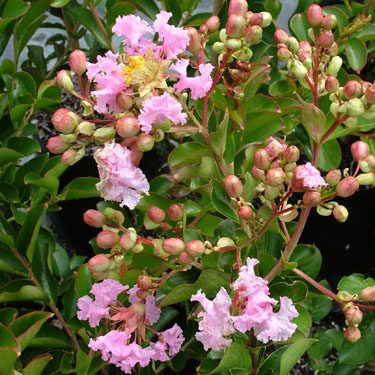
point(56, 145)
point(368, 294)
point(185, 259)
point(145, 142)
point(275, 176)
point(156, 214)
point(293, 44)
point(86, 128)
point(234, 44)
point(124, 101)
point(176, 212)
point(64, 80)
point(297, 183)
point(225, 242)
point(291, 154)
point(352, 89)
point(256, 19)
point(127, 126)
point(253, 34)
point(344, 296)
point(333, 177)
point(332, 84)
point(245, 213)
point(280, 36)
point(144, 282)
point(77, 62)
point(329, 22)
point(213, 24)
point(311, 198)
point(203, 29)
point(334, 66)
point(370, 94)
point(334, 49)
point(104, 134)
point(340, 213)
point(107, 239)
point(257, 173)
point(195, 40)
point(298, 70)
point(262, 159)
point(69, 157)
point(267, 19)
point(94, 218)
point(352, 334)
point(359, 150)
point(370, 160)
point(98, 263)
point(271, 192)
point(354, 107)
point(233, 186)
point(315, 15)
point(235, 26)
point(173, 246)
point(283, 54)
point(347, 187)
point(304, 46)
point(195, 248)
point(237, 7)
point(128, 240)
point(218, 47)
point(326, 39)
point(353, 315)
point(365, 178)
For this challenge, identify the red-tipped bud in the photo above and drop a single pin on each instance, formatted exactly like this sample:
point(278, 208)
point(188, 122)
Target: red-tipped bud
point(370, 160)
point(368, 294)
point(370, 94)
point(340, 213)
point(195, 248)
point(352, 334)
point(297, 183)
point(107, 239)
point(329, 22)
point(280, 36)
point(98, 263)
point(291, 154)
point(332, 84)
point(195, 40)
point(173, 246)
point(257, 173)
point(352, 89)
point(305, 46)
point(311, 198)
point(254, 34)
point(94, 218)
point(127, 126)
point(326, 39)
point(176, 212)
point(77, 62)
point(128, 239)
point(203, 29)
point(185, 259)
point(359, 150)
point(333, 177)
point(245, 213)
point(65, 121)
point(256, 19)
point(275, 176)
point(124, 101)
point(347, 187)
point(56, 145)
point(233, 186)
point(235, 26)
point(69, 157)
point(57, 116)
point(237, 7)
point(145, 142)
point(156, 214)
point(353, 315)
point(64, 80)
point(283, 54)
point(315, 15)
point(213, 24)
point(262, 159)
point(144, 282)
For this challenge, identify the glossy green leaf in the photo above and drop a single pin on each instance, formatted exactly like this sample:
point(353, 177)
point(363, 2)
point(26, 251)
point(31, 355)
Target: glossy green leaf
point(24, 145)
point(8, 193)
point(84, 281)
point(175, 8)
point(146, 260)
point(7, 155)
point(198, 19)
point(271, 365)
point(8, 340)
point(366, 33)
point(18, 112)
point(314, 121)
point(149, 7)
point(37, 364)
point(8, 359)
point(50, 336)
point(296, 291)
point(14, 9)
point(59, 3)
point(26, 83)
point(330, 155)
point(303, 320)
point(219, 138)
point(342, 19)
point(282, 87)
point(8, 315)
point(356, 53)
point(48, 182)
point(187, 153)
point(274, 7)
point(336, 337)
point(21, 290)
point(318, 304)
point(262, 126)
point(9, 262)
point(81, 187)
point(221, 201)
point(121, 8)
point(299, 25)
point(309, 259)
point(207, 225)
point(355, 283)
point(60, 263)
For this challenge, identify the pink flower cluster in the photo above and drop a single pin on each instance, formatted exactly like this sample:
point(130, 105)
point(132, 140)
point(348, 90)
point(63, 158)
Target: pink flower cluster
point(254, 305)
point(311, 177)
point(120, 180)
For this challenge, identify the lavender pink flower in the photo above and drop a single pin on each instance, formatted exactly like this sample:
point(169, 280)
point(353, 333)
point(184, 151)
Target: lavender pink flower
point(152, 312)
point(311, 177)
point(173, 338)
point(274, 147)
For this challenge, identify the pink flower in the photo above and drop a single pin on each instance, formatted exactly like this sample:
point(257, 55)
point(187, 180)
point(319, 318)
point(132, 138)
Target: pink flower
point(107, 291)
point(92, 311)
point(175, 39)
point(200, 85)
point(120, 180)
point(216, 320)
point(160, 351)
point(173, 338)
point(160, 108)
point(133, 298)
point(274, 147)
point(152, 312)
point(311, 177)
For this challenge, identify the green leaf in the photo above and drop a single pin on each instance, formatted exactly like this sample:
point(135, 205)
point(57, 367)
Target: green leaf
point(48, 182)
point(50, 336)
point(81, 187)
point(26, 83)
point(309, 259)
point(8, 315)
point(69, 301)
point(149, 7)
point(37, 364)
point(366, 33)
point(271, 365)
point(221, 201)
point(17, 113)
point(219, 138)
point(274, 7)
point(14, 9)
point(8, 193)
point(282, 87)
point(303, 320)
point(8, 340)
point(119, 9)
point(8, 360)
point(356, 53)
point(21, 290)
point(146, 260)
point(330, 155)
point(299, 25)
point(24, 145)
point(355, 283)
point(296, 291)
point(207, 225)
point(84, 281)
point(59, 3)
point(187, 153)
point(174, 7)
point(60, 263)
point(314, 121)
point(336, 337)
point(198, 19)
point(7, 155)
point(342, 19)
point(10, 263)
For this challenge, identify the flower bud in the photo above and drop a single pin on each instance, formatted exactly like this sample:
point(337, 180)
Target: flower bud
point(185, 259)
point(353, 315)
point(255, 19)
point(298, 70)
point(340, 213)
point(370, 161)
point(173, 246)
point(291, 154)
point(288, 216)
point(218, 47)
point(334, 66)
point(237, 7)
point(329, 22)
point(213, 24)
point(233, 186)
point(104, 134)
point(124, 101)
point(127, 126)
point(225, 242)
point(156, 214)
point(368, 294)
point(283, 54)
point(235, 26)
point(145, 142)
point(326, 39)
point(365, 178)
point(195, 40)
point(56, 145)
point(234, 44)
point(297, 183)
point(370, 94)
point(271, 192)
point(262, 159)
point(64, 80)
point(304, 46)
point(245, 213)
point(257, 173)
point(98, 263)
point(311, 198)
point(332, 84)
point(344, 296)
point(354, 107)
point(69, 157)
point(275, 176)
point(176, 212)
point(359, 150)
point(144, 282)
point(128, 240)
point(195, 248)
point(203, 29)
point(94, 218)
point(347, 187)
point(293, 44)
point(334, 49)
point(77, 62)
point(352, 89)
point(107, 239)
point(267, 19)
point(254, 34)
point(352, 334)
point(315, 15)
point(57, 118)
point(351, 122)
point(280, 36)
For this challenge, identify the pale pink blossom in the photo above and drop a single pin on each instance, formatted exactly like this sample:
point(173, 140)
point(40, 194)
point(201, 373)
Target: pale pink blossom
point(274, 147)
point(120, 180)
point(173, 338)
point(152, 312)
point(91, 310)
point(199, 85)
point(132, 292)
point(311, 177)
point(160, 108)
point(160, 351)
point(107, 291)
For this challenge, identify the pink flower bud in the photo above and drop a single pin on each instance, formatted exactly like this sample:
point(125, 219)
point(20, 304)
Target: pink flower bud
point(333, 177)
point(305, 56)
point(297, 183)
point(56, 145)
point(237, 7)
point(353, 315)
point(368, 294)
point(213, 24)
point(235, 26)
point(245, 213)
point(329, 22)
point(280, 36)
point(311, 198)
point(305, 46)
point(283, 54)
point(144, 282)
point(352, 89)
point(347, 187)
point(195, 40)
point(128, 240)
point(77, 62)
point(57, 116)
point(352, 334)
point(340, 213)
point(256, 19)
point(261, 159)
point(156, 214)
point(98, 263)
point(275, 176)
point(64, 80)
point(185, 259)
point(334, 49)
point(68, 123)
point(127, 126)
point(315, 15)
point(291, 154)
point(94, 218)
point(370, 94)
point(370, 160)
point(107, 239)
point(203, 29)
point(173, 246)
point(326, 39)
point(359, 150)
point(233, 186)
point(332, 84)
point(176, 212)
point(254, 34)
point(145, 142)
point(257, 173)
point(69, 157)
point(194, 248)
point(124, 101)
